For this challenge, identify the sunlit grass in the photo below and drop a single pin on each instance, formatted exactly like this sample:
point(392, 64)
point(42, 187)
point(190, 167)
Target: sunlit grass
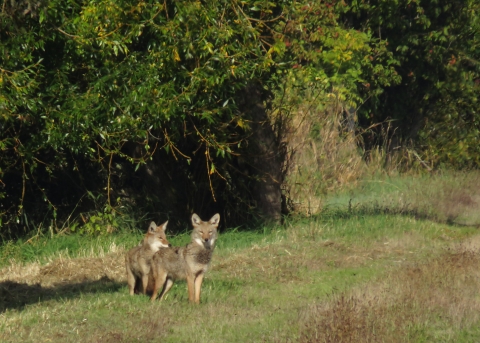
point(258, 289)
point(355, 271)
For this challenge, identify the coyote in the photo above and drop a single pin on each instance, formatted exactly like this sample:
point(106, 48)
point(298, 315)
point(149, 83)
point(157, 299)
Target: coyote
point(189, 262)
point(138, 261)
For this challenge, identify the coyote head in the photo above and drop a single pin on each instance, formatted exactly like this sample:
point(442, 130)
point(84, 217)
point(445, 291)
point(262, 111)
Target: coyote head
point(156, 237)
point(205, 233)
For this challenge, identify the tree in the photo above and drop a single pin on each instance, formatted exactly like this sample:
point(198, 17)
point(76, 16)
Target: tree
point(436, 46)
point(161, 106)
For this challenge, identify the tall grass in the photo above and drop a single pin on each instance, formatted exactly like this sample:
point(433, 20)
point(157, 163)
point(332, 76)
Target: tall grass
point(328, 166)
point(321, 157)
point(327, 169)
point(325, 150)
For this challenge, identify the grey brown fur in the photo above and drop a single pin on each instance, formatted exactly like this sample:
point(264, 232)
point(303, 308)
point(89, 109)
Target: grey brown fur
point(189, 262)
point(138, 260)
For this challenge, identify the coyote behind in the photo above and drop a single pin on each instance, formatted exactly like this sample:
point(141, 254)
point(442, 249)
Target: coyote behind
point(189, 262)
point(138, 261)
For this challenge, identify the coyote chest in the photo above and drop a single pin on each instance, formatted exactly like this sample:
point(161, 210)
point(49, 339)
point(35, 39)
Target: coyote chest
point(198, 258)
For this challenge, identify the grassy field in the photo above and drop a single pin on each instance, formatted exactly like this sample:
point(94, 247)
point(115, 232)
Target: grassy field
point(391, 260)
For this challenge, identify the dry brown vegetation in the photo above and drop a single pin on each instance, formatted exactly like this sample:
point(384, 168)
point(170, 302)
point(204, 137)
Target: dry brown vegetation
point(321, 157)
point(456, 200)
point(442, 291)
point(62, 277)
point(326, 153)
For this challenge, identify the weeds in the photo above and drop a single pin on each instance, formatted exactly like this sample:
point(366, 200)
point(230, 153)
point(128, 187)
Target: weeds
point(321, 161)
point(410, 304)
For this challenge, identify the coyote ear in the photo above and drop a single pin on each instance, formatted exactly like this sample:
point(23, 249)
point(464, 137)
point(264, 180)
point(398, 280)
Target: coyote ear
point(164, 226)
point(195, 219)
point(152, 227)
point(215, 219)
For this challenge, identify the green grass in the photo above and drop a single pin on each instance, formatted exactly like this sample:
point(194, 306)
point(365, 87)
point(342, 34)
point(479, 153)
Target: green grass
point(338, 276)
point(257, 290)
point(42, 248)
point(451, 197)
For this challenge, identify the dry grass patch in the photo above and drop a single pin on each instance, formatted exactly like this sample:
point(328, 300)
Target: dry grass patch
point(64, 269)
point(458, 199)
point(430, 300)
point(62, 277)
point(321, 156)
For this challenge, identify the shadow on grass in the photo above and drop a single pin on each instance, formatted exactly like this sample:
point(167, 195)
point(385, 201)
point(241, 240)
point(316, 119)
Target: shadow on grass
point(15, 295)
point(375, 208)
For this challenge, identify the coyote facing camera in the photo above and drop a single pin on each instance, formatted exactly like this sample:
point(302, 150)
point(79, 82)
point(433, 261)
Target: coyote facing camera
point(138, 261)
point(189, 262)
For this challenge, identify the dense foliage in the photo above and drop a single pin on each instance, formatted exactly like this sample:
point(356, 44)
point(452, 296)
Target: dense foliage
point(436, 45)
point(161, 107)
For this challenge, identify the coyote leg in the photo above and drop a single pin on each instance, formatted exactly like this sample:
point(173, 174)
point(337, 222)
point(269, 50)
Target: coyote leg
point(160, 280)
point(198, 286)
point(130, 281)
point(144, 283)
point(166, 288)
point(191, 287)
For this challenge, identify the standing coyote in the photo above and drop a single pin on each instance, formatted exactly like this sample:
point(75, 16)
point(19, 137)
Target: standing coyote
point(138, 261)
point(189, 262)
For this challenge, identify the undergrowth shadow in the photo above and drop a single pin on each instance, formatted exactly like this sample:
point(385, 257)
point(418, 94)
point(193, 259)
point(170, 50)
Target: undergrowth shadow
point(15, 295)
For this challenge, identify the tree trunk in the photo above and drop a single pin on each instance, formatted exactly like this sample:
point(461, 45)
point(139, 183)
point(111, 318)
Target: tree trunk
point(265, 156)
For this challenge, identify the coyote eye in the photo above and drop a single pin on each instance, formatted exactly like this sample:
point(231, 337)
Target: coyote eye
point(201, 232)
